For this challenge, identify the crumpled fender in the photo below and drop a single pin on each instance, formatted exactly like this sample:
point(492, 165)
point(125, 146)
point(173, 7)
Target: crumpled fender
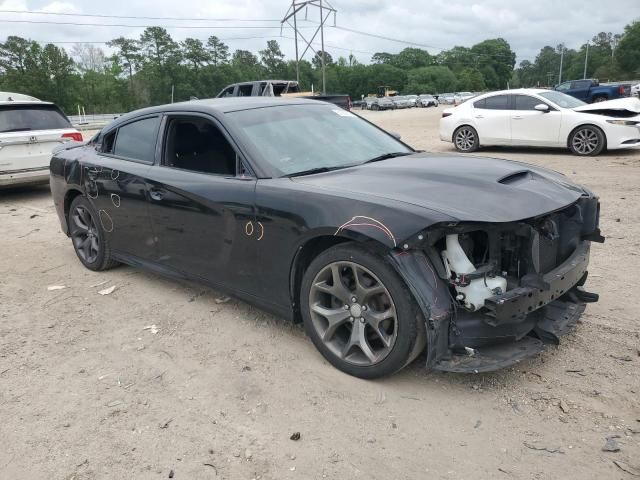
point(432, 296)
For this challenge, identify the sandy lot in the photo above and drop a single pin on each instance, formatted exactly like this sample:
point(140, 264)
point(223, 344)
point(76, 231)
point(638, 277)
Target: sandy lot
point(86, 391)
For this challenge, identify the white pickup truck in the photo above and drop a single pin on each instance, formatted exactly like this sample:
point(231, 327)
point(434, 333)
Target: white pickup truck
point(29, 130)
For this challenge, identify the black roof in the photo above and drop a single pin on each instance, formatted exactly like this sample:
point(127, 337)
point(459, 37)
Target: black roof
point(220, 106)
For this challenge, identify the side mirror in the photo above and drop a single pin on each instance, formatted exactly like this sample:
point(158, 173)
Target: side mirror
point(541, 107)
point(395, 135)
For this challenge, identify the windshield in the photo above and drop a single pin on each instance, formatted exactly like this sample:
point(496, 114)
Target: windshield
point(562, 99)
point(298, 138)
point(18, 118)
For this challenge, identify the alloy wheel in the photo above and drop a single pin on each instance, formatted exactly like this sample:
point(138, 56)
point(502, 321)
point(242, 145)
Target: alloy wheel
point(84, 234)
point(353, 313)
point(465, 139)
point(585, 141)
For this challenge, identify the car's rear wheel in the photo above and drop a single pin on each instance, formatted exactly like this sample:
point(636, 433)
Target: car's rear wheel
point(88, 236)
point(599, 99)
point(465, 139)
point(359, 313)
point(587, 140)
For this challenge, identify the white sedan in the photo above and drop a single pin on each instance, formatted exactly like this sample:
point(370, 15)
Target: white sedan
point(542, 118)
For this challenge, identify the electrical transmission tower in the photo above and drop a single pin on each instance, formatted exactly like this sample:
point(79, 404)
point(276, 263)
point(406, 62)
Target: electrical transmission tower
point(326, 10)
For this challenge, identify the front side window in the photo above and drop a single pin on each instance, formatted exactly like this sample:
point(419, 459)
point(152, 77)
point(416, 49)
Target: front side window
point(497, 102)
point(580, 84)
point(298, 138)
point(137, 140)
point(196, 144)
point(564, 86)
point(227, 92)
point(525, 102)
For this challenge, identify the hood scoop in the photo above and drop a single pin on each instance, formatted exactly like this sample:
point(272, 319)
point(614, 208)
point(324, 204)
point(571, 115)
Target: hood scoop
point(517, 178)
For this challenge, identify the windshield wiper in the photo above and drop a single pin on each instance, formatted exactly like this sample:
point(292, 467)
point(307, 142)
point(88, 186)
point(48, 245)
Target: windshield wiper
point(387, 156)
point(311, 171)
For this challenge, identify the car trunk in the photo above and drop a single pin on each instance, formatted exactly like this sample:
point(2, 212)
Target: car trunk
point(28, 134)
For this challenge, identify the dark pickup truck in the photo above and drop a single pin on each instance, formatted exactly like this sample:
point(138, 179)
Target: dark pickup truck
point(280, 88)
point(592, 91)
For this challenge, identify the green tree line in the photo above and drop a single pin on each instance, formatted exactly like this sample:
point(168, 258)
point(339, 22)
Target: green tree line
point(154, 68)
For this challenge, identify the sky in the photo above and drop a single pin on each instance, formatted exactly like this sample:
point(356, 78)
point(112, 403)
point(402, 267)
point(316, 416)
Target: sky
point(433, 25)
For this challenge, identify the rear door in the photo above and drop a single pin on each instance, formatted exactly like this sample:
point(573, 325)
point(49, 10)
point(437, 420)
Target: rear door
point(492, 117)
point(533, 127)
point(114, 180)
point(28, 134)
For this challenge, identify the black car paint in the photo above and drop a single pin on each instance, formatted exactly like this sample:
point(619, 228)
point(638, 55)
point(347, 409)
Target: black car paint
point(244, 234)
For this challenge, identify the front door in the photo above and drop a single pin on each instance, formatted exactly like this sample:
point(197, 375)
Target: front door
point(533, 127)
point(202, 206)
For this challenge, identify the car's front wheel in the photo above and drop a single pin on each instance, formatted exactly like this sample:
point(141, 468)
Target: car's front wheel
point(465, 139)
point(88, 236)
point(587, 140)
point(359, 313)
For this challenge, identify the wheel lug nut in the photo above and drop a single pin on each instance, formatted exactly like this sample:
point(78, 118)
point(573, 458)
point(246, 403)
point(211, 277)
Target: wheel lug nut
point(346, 307)
point(354, 299)
point(351, 319)
point(364, 307)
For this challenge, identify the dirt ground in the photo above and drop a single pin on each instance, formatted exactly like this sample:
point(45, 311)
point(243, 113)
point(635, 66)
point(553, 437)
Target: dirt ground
point(88, 389)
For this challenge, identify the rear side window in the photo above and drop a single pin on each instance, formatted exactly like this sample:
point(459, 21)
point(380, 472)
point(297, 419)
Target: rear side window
point(22, 118)
point(497, 102)
point(245, 90)
point(137, 140)
point(525, 102)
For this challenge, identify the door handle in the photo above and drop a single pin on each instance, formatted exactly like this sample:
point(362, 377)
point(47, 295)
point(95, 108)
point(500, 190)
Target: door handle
point(156, 193)
point(518, 117)
point(479, 116)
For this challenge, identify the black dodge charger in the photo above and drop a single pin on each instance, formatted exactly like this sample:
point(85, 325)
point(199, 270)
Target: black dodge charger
point(314, 214)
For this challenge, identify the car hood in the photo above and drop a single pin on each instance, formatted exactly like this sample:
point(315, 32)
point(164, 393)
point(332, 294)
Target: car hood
point(625, 106)
point(463, 187)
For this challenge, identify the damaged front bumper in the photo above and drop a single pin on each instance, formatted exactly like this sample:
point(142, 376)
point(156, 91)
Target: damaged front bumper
point(512, 325)
point(517, 325)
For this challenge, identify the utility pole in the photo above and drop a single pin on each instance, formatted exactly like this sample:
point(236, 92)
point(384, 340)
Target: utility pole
point(561, 59)
point(326, 10)
point(586, 58)
point(324, 78)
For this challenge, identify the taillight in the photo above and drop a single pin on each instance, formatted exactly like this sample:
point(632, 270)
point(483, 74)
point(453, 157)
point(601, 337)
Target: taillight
point(445, 114)
point(621, 89)
point(75, 136)
point(349, 104)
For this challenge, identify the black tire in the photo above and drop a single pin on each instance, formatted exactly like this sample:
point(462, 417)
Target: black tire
point(466, 139)
point(587, 141)
point(599, 99)
point(375, 106)
point(408, 324)
point(96, 254)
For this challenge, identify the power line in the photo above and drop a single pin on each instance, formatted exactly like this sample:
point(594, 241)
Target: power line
point(96, 15)
point(210, 27)
point(382, 37)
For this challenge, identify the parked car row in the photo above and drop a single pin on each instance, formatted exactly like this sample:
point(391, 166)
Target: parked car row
point(455, 98)
point(399, 101)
